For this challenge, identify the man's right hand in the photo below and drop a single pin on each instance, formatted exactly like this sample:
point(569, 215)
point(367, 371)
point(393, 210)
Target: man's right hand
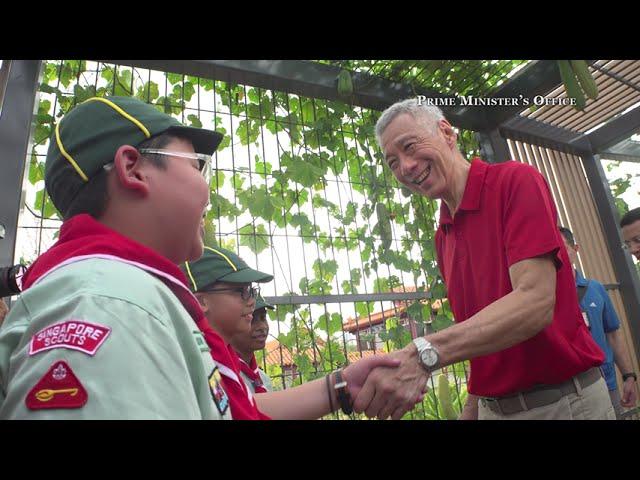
point(391, 392)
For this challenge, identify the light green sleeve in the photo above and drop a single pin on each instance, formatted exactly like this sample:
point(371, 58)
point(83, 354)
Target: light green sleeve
point(139, 372)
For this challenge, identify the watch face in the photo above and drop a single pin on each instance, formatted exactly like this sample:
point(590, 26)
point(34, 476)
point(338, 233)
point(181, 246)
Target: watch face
point(429, 357)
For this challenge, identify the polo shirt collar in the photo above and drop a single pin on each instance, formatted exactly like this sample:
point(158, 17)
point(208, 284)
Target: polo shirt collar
point(472, 191)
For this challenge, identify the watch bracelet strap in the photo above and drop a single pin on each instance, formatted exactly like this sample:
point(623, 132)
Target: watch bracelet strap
point(344, 399)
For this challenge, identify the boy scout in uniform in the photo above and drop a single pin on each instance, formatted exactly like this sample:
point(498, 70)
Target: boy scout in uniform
point(106, 327)
point(222, 282)
point(246, 344)
point(250, 333)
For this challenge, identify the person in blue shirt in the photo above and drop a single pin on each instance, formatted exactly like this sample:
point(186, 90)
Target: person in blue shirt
point(600, 317)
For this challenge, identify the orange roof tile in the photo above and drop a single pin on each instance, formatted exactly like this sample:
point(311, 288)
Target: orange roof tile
point(278, 354)
point(353, 324)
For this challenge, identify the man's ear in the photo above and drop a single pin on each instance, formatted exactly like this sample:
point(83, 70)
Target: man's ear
point(450, 135)
point(576, 247)
point(129, 166)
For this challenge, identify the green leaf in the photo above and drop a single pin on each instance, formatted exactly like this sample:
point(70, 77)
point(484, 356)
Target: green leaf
point(261, 204)
point(305, 367)
point(174, 78)
point(366, 253)
point(303, 285)
point(36, 170)
point(237, 180)
point(84, 93)
point(210, 233)
point(221, 207)
point(332, 354)
point(381, 285)
point(414, 311)
point(248, 131)
point(301, 220)
point(256, 238)
point(364, 309)
point(300, 171)
point(401, 262)
point(66, 74)
point(325, 270)
point(252, 95)
point(441, 322)
point(42, 133)
point(399, 336)
point(166, 104)
point(287, 340)
point(330, 324)
point(262, 168)
point(122, 83)
point(188, 91)
point(356, 275)
point(438, 290)
point(37, 204)
point(384, 225)
point(107, 74)
point(49, 210)
point(350, 214)
point(430, 267)
point(195, 121)
point(148, 92)
point(44, 88)
point(319, 287)
point(218, 179)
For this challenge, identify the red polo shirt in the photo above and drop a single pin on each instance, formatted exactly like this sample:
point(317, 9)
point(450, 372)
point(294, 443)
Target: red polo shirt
point(507, 215)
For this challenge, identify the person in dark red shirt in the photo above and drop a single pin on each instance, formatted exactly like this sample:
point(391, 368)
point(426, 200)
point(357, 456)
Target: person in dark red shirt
point(509, 282)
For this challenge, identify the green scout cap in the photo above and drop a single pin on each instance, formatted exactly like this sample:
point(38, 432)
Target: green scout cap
point(261, 303)
point(220, 265)
point(88, 137)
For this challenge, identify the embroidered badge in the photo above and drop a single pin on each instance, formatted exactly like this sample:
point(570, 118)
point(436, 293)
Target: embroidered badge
point(217, 392)
point(59, 388)
point(73, 334)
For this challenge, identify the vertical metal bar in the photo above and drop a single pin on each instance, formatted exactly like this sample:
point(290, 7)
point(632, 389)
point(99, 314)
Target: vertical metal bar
point(4, 79)
point(344, 237)
point(15, 137)
point(493, 146)
point(622, 263)
point(286, 233)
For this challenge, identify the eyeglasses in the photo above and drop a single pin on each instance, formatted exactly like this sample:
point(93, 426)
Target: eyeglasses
point(627, 244)
point(245, 292)
point(204, 160)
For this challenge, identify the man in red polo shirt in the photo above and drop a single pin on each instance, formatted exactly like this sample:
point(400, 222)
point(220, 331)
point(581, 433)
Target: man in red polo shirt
point(509, 282)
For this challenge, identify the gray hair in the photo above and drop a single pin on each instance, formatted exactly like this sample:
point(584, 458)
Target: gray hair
point(428, 115)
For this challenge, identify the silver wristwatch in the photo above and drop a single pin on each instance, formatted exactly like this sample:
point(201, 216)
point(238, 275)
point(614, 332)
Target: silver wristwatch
point(427, 354)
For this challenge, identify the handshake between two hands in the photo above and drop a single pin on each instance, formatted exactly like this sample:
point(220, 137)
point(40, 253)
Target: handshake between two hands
point(386, 386)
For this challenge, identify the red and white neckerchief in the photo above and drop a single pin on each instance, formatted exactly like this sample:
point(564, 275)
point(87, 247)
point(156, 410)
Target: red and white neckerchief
point(251, 370)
